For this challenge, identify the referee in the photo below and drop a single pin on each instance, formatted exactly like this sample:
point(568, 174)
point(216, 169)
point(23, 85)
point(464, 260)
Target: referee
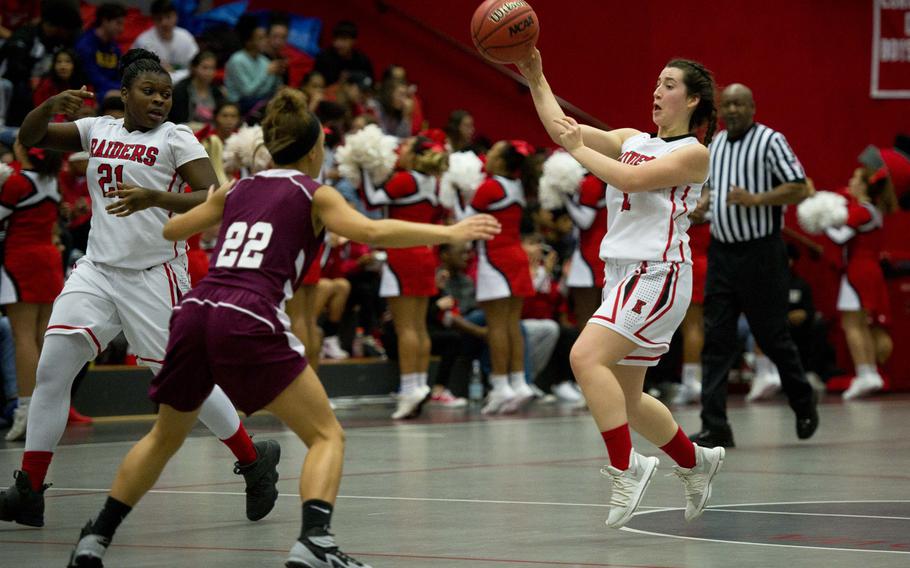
point(753, 174)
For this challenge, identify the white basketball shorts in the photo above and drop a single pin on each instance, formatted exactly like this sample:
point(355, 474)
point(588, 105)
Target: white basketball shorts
point(645, 302)
point(98, 301)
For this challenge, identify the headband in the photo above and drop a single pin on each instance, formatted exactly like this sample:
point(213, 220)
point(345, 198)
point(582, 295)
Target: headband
point(302, 145)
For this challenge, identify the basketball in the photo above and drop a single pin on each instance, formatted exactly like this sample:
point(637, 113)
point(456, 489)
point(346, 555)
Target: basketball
point(504, 31)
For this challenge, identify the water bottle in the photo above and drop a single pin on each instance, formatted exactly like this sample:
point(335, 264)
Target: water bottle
point(357, 344)
point(475, 387)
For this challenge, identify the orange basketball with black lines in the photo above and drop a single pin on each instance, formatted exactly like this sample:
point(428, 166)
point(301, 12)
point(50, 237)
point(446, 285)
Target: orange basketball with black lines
point(505, 31)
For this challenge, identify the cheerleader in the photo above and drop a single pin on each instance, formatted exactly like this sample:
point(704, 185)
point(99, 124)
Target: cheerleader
point(409, 275)
point(863, 297)
point(503, 274)
point(32, 272)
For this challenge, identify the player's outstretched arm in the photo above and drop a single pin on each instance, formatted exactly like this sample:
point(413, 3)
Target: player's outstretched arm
point(198, 174)
point(607, 142)
point(684, 166)
point(339, 217)
point(199, 218)
point(37, 132)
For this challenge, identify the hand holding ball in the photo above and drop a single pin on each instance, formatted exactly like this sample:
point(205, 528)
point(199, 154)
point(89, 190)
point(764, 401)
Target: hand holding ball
point(505, 31)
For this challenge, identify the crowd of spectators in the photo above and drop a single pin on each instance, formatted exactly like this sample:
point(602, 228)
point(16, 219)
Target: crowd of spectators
point(46, 52)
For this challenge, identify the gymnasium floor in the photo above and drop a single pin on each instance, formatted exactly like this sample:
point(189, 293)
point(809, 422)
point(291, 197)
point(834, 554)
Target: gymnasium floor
point(455, 490)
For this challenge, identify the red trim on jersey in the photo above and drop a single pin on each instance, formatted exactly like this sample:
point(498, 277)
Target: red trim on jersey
point(79, 328)
point(149, 360)
point(638, 333)
point(170, 284)
point(173, 179)
point(682, 254)
point(672, 216)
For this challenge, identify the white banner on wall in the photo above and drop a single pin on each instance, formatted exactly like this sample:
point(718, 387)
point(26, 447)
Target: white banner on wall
point(891, 49)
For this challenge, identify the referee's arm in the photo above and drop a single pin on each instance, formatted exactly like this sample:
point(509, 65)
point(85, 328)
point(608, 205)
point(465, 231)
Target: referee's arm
point(786, 167)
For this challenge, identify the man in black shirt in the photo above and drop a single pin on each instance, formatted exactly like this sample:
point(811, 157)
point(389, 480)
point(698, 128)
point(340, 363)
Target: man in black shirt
point(342, 55)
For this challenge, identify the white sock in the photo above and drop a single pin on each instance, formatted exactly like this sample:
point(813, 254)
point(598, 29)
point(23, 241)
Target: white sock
point(862, 371)
point(61, 358)
point(24, 401)
point(425, 379)
point(410, 382)
point(499, 382)
point(691, 374)
point(763, 365)
point(219, 415)
point(516, 379)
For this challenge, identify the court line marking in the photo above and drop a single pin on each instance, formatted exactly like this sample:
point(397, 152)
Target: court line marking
point(718, 540)
point(715, 508)
point(353, 553)
point(723, 508)
point(807, 514)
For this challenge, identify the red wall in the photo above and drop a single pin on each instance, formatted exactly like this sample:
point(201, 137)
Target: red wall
point(807, 62)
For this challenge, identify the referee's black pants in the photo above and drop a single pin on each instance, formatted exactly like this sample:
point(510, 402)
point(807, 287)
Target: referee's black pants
point(750, 278)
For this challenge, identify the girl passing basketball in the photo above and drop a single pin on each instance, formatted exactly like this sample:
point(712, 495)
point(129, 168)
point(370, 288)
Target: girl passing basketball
point(130, 278)
point(231, 330)
point(653, 181)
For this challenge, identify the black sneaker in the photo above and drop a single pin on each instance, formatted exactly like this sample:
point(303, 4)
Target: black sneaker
point(89, 550)
point(807, 420)
point(716, 438)
point(22, 504)
point(261, 479)
point(318, 550)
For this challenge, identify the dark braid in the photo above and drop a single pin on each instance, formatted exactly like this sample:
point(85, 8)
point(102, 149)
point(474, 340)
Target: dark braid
point(699, 82)
point(137, 61)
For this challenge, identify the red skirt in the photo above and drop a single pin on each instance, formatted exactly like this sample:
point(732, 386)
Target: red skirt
point(33, 275)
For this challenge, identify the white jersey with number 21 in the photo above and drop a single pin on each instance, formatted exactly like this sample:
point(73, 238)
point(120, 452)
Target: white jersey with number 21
point(140, 159)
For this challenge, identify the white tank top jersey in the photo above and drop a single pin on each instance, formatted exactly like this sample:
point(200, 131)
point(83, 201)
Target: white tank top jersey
point(141, 159)
point(650, 225)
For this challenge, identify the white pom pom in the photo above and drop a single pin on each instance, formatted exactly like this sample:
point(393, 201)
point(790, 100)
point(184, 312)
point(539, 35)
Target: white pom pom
point(464, 175)
point(562, 174)
point(823, 210)
point(242, 148)
point(370, 150)
point(5, 172)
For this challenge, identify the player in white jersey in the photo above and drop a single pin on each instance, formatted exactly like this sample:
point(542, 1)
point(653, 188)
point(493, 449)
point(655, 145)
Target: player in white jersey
point(130, 278)
point(653, 183)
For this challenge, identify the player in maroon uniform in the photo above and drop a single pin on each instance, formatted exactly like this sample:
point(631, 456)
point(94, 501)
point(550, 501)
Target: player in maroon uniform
point(232, 330)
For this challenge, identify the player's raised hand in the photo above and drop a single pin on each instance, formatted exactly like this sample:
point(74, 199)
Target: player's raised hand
point(131, 199)
point(532, 66)
point(69, 102)
point(475, 228)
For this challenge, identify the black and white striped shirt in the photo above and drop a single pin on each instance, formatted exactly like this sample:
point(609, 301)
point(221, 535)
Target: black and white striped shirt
point(758, 162)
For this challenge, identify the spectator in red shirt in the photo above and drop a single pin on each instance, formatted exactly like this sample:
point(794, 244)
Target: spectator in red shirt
point(65, 74)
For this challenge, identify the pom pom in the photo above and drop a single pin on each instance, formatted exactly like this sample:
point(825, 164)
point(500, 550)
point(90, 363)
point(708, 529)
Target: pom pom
point(369, 150)
point(5, 172)
point(246, 149)
point(464, 176)
point(823, 210)
point(562, 174)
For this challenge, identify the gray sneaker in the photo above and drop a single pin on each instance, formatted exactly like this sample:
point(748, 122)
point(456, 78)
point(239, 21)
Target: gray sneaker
point(319, 550)
point(629, 487)
point(89, 550)
point(697, 480)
